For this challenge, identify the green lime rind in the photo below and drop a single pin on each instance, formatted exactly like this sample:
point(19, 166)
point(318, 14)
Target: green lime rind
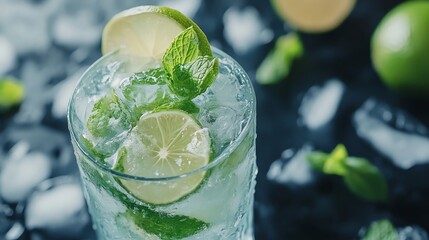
point(164, 225)
point(381, 230)
point(204, 46)
point(122, 154)
point(11, 93)
point(180, 18)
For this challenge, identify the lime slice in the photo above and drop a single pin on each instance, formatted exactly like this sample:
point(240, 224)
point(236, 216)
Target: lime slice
point(147, 31)
point(314, 15)
point(164, 144)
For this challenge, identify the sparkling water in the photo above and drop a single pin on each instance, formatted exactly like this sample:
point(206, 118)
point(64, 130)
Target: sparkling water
point(221, 207)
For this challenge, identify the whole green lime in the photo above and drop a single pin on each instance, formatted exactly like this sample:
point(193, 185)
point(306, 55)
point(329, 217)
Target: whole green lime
point(400, 48)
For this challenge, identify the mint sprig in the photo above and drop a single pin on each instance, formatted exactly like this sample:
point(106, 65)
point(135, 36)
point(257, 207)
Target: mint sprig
point(108, 117)
point(278, 63)
point(164, 225)
point(193, 78)
point(360, 176)
point(382, 229)
point(189, 73)
point(184, 49)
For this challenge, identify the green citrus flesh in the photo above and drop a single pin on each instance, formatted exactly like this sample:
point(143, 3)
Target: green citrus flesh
point(164, 144)
point(400, 48)
point(147, 31)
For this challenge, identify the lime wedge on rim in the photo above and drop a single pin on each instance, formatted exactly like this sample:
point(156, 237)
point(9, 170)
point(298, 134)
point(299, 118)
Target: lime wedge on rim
point(147, 31)
point(164, 144)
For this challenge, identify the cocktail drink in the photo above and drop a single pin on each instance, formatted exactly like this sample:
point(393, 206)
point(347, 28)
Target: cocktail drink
point(163, 128)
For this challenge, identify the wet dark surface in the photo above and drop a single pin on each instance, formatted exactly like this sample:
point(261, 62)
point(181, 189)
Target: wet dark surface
point(322, 208)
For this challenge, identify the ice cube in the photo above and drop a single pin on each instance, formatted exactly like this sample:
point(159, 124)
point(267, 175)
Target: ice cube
point(412, 233)
point(25, 25)
point(79, 29)
point(218, 120)
point(21, 173)
point(7, 56)
point(244, 29)
point(393, 133)
point(320, 104)
point(59, 210)
point(58, 147)
point(292, 169)
point(15, 232)
point(5, 223)
point(64, 91)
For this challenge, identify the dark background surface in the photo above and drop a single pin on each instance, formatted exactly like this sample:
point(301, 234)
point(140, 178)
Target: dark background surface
point(322, 209)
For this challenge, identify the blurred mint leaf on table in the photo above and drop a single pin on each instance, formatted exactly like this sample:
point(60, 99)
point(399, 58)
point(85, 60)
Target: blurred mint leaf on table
point(277, 64)
point(381, 230)
point(11, 93)
point(360, 176)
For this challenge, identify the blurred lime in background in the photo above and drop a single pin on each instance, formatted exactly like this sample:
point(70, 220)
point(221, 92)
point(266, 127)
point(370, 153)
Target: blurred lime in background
point(11, 93)
point(276, 66)
point(314, 16)
point(400, 48)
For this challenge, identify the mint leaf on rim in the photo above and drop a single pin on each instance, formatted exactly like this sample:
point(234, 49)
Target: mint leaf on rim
point(184, 49)
point(189, 73)
point(382, 229)
point(191, 79)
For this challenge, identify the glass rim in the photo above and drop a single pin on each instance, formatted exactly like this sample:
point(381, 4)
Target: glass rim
point(214, 162)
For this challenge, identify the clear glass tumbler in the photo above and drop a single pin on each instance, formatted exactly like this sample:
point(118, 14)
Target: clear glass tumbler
point(220, 208)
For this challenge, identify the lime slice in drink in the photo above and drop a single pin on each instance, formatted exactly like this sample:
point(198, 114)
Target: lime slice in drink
point(147, 31)
point(164, 144)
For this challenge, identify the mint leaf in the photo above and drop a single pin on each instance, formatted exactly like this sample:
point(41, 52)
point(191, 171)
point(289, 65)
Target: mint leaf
point(361, 177)
point(185, 105)
point(317, 160)
point(146, 91)
point(152, 77)
point(184, 49)
point(335, 162)
point(11, 93)
point(164, 225)
point(108, 117)
point(191, 79)
point(381, 230)
point(276, 66)
point(365, 180)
